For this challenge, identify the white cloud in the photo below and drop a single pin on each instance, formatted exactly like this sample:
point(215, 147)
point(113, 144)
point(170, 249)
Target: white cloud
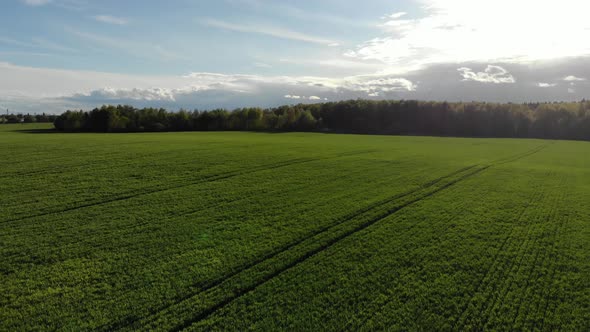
point(311, 98)
point(111, 19)
point(374, 87)
point(546, 85)
point(268, 30)
point(395, 15)
point(492, 74)
point(36, 2)
point(460, 31)
point(150, 94)
point(572, 78)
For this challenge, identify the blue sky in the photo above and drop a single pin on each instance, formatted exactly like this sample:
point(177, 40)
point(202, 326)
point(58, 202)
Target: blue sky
point(58, 54)
point(183, 36)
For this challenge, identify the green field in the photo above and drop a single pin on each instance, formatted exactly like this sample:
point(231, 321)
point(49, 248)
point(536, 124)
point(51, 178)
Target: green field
point(294, 231)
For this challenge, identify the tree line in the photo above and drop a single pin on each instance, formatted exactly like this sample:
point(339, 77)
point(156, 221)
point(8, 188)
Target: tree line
point(27, 118)
point(563, 120)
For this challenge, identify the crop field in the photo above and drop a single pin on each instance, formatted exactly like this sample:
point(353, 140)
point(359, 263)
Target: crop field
point(292, 231)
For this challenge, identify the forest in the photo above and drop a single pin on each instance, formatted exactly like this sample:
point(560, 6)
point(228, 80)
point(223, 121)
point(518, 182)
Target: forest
point(558, 120)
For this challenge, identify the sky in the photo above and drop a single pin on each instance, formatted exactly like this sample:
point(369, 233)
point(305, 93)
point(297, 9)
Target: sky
point(203, 54)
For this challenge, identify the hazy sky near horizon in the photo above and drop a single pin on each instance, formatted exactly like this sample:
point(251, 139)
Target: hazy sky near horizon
point(71, 54)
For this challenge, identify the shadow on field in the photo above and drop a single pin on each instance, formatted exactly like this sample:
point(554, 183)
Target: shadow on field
point(38, 131)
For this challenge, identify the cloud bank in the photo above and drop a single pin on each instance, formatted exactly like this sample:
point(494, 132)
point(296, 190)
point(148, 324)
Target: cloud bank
point(459, 31)
point(26, 89)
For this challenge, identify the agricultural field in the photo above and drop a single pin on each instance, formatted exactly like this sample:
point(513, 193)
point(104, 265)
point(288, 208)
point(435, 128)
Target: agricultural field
point(294, 231)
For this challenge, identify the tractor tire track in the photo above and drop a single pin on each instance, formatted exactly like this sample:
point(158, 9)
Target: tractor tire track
point(92, 163)
point(496, 256)
point(308, 253)
point(285, 248)
point(218, 306)
point(517, 157)
point(502, 246)
point(86, 148)
point(211, 178)
point(324, 183)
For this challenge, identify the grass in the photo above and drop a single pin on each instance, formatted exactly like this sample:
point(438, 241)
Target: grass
point(235, 231)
